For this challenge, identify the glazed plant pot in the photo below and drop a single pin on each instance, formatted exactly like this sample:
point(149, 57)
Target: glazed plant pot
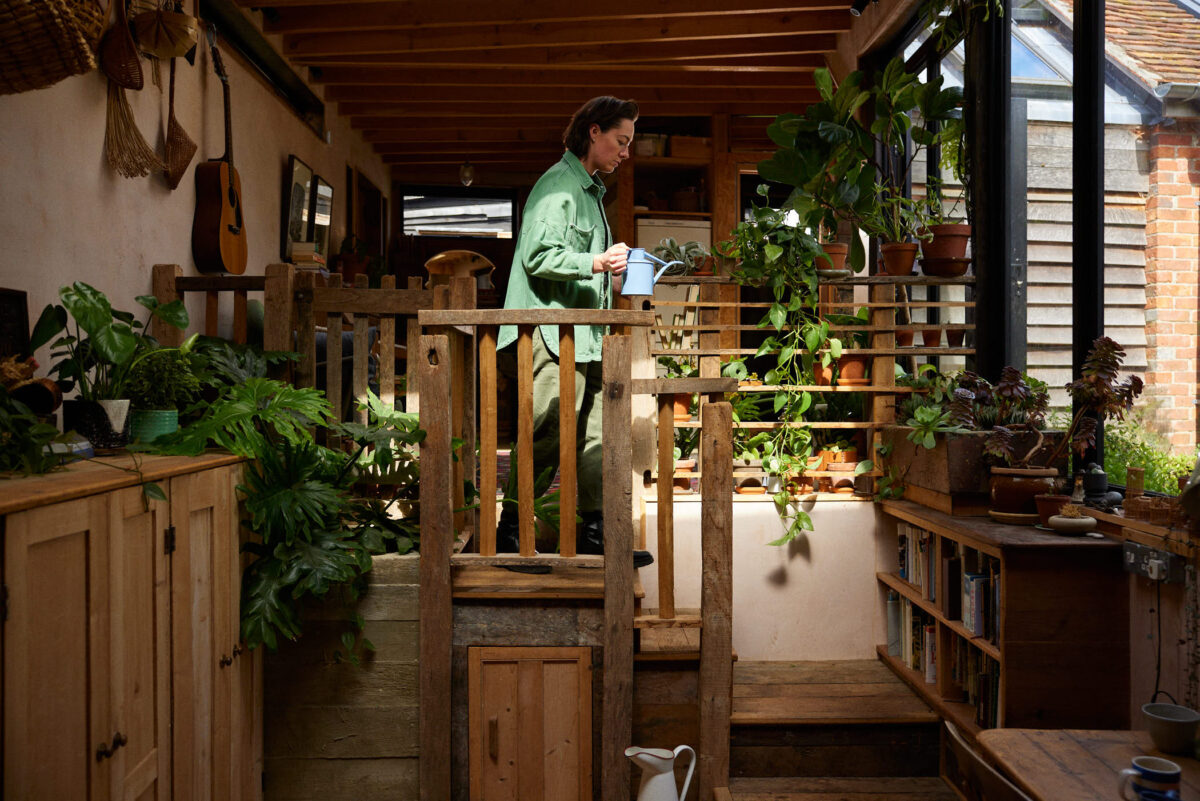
point(147, 425)
point(1071, 525)
point(949, 241)
point(955, 337)
point(1014, 488)
point(931, 337)
point(904, 337)
point(1048, 506)
point(898, 257)
point(837, 253)
point(104, 423)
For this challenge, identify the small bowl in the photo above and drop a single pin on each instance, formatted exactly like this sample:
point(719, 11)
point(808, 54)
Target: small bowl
point(1172, 727)
point(1071, 525)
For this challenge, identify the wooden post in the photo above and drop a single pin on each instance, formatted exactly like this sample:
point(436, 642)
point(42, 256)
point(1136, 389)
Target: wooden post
point(278, 304)
point(412, 334)
point(163, 283)
point(666, 507)
point(333, 360)
point(212, 312)
point(306, 331)
point(524, 460)
point(716, 595)
point(462, 296)
point(567, 440)
point(437, 535)
point(360, 353)
point(617, 727)
point(487, 440)
point(240, 323)
point(387, 350)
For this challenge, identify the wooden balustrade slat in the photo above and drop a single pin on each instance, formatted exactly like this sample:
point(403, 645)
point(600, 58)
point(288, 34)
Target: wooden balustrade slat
point(487, 441)
point(524, 464)
point(666, 509)
point(164, 284)
point(306, 332)
point(567, 440)
point(358, 379)
point(333, 360)
point(239, 316)
point(212, 311)
point(470, 317)
point(387, 350)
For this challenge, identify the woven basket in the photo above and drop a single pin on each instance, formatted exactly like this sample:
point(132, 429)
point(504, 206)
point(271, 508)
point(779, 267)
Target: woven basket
point(44, 41)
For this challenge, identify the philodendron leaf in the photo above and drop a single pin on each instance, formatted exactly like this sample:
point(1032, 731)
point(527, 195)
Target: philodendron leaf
point(52, 321)
point(865, 466)
point(115, 342)
point(824, 81)
point(173, 314)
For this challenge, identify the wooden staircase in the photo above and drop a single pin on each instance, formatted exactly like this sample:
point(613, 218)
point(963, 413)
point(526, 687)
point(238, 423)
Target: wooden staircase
point(846, 730)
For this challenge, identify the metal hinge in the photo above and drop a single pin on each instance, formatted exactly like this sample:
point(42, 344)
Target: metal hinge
point(169, 540)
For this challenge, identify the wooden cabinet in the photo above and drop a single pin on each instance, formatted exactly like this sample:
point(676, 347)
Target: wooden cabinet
point(530, 713)
point(100, 701)
point(1048, 643)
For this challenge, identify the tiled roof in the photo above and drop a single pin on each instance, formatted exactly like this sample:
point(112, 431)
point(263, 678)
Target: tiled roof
point(1158, 40)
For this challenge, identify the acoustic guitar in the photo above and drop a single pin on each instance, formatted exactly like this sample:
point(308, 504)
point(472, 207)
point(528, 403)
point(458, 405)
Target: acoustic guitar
point(218, 230)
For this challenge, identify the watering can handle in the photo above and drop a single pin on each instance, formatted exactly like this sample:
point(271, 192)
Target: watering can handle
point(691, 767)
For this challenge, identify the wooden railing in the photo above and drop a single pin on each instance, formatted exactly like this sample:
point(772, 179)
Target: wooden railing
point(168, 283)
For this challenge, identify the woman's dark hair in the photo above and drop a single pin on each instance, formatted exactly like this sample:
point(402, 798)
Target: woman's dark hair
point(605, 111)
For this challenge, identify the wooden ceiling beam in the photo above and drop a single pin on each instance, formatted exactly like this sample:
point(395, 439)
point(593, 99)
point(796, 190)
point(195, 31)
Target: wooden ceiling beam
point(468, 148)
point(681, 76)
point(532, 161)
point(401, 115)
point(783, 95)
point(750, 47)
point(547, 136)
point(434, 13)
point(500, 176)
point(622, 35)
point(504, 59)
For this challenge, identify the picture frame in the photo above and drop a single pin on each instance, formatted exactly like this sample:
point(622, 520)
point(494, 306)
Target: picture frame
point(296, 224)
point(321, 216)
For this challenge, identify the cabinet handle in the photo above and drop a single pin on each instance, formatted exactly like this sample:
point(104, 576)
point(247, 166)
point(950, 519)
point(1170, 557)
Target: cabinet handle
point(238, 650)
point(494, 738)
point(225, 661)
point(104, 751)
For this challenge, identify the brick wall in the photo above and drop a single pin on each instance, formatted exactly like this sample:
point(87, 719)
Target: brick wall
point(1172, 268)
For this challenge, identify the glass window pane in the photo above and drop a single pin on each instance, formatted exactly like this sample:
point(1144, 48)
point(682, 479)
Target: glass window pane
point(431, 215)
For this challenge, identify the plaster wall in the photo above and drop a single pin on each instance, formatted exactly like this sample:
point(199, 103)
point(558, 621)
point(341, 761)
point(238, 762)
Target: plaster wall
point(66, 215)
point(813, 599)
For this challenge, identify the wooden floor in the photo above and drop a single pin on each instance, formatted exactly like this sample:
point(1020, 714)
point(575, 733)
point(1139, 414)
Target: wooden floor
point(905, 788)
point(823, 693)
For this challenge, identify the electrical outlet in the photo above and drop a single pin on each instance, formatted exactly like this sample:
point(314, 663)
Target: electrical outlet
point(1152, 563)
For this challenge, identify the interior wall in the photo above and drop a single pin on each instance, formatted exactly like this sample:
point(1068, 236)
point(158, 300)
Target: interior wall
point(68, 216)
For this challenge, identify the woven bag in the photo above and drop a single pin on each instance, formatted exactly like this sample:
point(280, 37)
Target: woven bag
point(44, 41)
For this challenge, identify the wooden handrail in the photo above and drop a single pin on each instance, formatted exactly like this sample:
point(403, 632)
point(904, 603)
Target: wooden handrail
point(476, 317)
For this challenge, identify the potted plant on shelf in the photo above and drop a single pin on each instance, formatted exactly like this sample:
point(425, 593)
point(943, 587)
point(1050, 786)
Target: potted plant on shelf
point(161, 383)
point(853, 366)
point(692, 256)
point(684, 402)
point(96, 356)
point(944, 246)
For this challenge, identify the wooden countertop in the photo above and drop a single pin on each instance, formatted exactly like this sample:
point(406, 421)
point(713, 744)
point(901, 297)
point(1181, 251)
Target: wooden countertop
point(102, 474)
point(987, 532)
point(1075, 764)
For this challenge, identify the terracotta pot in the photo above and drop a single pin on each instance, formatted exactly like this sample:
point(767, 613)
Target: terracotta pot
point(839, 457)
point(904, 337)
point(955, 337)
point(682, 403)
point(822, 375)
point(837, 253)
point(852, 367)
point(1014, 488)
point(898, 257)
point(931, 337)
point(1048, 505)
point(949, 241)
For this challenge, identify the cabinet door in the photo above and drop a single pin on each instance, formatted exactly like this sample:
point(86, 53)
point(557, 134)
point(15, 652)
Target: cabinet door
point(140, 648)
point(55, 650)
point(217, 747)
point(530, 721)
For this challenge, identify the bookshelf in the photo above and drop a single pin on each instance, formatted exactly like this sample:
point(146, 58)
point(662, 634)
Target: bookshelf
point(1040, 638)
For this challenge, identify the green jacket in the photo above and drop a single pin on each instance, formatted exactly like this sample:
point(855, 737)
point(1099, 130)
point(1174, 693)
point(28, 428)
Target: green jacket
point(563, 227)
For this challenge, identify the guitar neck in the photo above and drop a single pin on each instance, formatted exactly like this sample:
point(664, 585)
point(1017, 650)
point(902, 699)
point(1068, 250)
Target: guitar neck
point(228, 127)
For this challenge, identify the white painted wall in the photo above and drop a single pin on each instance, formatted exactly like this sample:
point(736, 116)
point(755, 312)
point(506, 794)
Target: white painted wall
point(816, 598)
point(65, 215)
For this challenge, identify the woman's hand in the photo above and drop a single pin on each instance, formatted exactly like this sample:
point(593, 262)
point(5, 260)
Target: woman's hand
point(611, 260)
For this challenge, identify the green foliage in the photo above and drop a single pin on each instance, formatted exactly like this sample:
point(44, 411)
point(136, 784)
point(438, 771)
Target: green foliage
point(96, 356)
point(163, 379)
point(692, 255)
point(24, 439)
point(1132, 442)
point(927, 422)
point(545, 504)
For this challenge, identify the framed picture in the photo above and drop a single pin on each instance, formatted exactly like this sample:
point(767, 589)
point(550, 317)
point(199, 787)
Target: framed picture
point(321, 216)
point(296, 238)
point(14, 323)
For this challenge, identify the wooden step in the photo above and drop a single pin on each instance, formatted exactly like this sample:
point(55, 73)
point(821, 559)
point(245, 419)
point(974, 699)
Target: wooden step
point(683, 619)
point(823, 693)
point(669, 645)
point(902, 788)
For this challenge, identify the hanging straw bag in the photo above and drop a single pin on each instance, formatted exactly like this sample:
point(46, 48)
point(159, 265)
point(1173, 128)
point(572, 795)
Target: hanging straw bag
point(44, 41)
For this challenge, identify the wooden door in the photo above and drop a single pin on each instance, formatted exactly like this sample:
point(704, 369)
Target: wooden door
point(212, 761)
point(530, 722)
point(140, 648)
point(56, 701)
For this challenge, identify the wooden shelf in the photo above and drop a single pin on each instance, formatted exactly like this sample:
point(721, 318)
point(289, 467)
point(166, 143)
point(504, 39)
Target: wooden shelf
point(675, 215)
point(913, 593)
point(905, 280)
point(670, 162)
point(913, 351)
point(826, 388)
point(960, 714)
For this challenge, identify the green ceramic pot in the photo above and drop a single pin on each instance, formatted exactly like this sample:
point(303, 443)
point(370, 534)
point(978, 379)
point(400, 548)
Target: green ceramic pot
point(150, 424)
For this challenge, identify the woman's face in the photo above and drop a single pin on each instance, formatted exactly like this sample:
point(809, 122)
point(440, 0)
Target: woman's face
point(609, 148)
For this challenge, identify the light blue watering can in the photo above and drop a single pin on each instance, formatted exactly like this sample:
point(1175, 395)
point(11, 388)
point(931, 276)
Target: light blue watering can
point(640, 277)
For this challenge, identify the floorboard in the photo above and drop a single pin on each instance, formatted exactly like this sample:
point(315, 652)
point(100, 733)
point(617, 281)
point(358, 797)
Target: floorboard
point(905, 788)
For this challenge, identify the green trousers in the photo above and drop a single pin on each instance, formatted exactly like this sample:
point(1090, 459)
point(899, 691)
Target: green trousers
point(589, 429)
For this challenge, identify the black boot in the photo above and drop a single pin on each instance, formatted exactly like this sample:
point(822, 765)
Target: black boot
point(591, 540)
point(507, 531)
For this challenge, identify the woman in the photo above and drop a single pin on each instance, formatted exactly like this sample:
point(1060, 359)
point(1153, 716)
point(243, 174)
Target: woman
point(565, 259)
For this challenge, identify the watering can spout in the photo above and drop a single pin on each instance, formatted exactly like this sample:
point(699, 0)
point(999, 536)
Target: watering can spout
point(665, 267)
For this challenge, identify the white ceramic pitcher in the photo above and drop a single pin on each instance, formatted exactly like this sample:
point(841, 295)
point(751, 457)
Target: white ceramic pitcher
point(658, 772)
